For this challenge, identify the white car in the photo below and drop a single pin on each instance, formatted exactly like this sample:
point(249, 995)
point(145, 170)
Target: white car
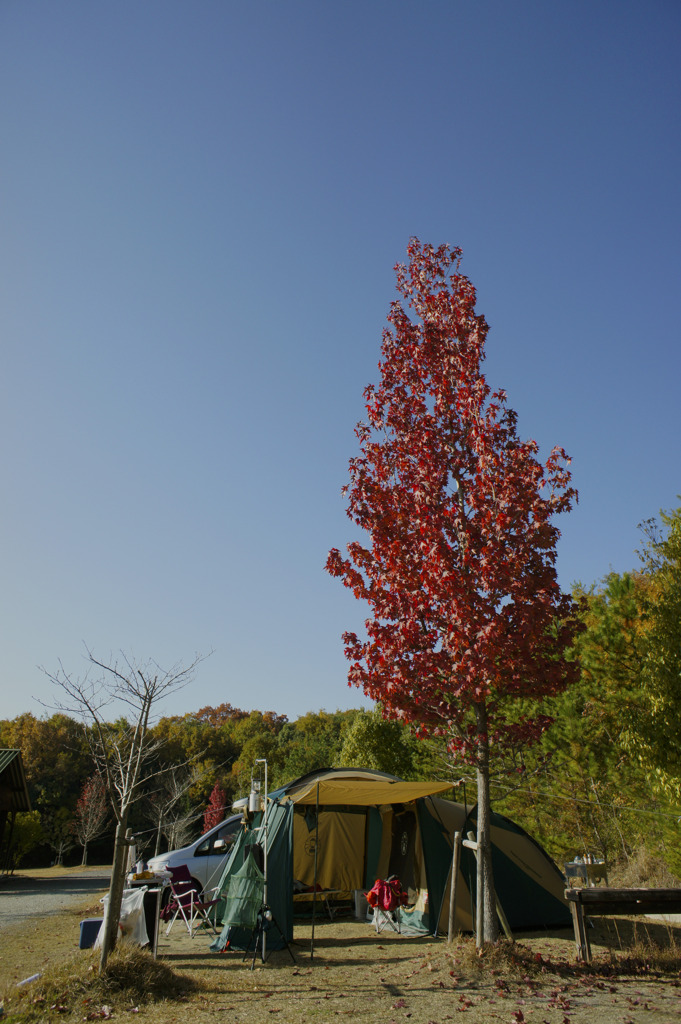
point(206, 856)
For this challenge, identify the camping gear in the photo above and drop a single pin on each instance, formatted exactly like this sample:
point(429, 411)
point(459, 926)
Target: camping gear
point(89, 930)
point(244, 910)
point(186, 902)
point(242, 899)
point(341, 829)
point(264, 923)
point(387, 897)
point(131, 922)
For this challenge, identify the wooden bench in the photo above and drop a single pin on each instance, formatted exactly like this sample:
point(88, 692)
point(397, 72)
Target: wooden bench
point(605, 902)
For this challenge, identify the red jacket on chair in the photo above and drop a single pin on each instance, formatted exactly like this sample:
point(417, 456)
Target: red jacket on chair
point(387, 894)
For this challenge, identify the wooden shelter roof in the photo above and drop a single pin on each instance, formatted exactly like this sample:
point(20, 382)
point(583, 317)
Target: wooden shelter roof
point(13, 784)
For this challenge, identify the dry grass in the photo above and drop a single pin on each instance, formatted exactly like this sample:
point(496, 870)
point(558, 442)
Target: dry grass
point(76, 988)
point(623, 951)
point(644, 870)
point(386, 978)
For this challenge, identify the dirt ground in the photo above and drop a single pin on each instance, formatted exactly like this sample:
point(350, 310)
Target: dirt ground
point(387, 977)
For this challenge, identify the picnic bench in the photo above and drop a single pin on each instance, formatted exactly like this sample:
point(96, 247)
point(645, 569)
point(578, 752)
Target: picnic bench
point(616, 902)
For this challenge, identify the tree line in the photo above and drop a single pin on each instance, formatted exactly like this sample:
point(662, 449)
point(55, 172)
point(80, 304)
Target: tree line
point(193, 753)
point(604, 777)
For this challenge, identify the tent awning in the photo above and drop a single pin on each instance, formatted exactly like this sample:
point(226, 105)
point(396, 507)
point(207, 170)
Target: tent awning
point(364, 792)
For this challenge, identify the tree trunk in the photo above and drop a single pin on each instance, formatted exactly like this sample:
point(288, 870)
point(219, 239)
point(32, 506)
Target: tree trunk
point(157, 848)
point(116, 886)
point(83, 863)
point(487, 928)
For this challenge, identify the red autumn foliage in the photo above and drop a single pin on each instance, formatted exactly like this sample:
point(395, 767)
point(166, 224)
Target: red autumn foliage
point(92, 812)
point(459, 574)
point(217, 808)
point(220, 715)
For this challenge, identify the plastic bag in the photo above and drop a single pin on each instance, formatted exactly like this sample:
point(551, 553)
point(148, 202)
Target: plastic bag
point(132, 925)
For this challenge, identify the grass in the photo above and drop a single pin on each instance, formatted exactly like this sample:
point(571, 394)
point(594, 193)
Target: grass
point(355, 973)
point(76, 988)
point(643, 869)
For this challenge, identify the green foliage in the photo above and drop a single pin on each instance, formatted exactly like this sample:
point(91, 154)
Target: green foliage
point(55, 755)
point(654, 737)
point(58, 832)
point(581, 790)
point(385, 745)
point(256, 737)
point(27, 835)
point(57, 761)
point(313, 741)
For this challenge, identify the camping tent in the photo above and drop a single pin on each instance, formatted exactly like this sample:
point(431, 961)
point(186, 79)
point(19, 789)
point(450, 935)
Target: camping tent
point(341, 829)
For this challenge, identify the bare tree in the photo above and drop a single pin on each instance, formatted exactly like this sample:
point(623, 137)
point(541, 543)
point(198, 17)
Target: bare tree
point(58, 832)
point(172, 819)
point(123, 753)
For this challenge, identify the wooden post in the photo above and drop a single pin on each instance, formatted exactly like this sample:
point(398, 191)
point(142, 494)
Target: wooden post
point(479, 892)
point(454, 884)
point(314, 893)
point(504, 921)
point(581, 938)
point(471, 843)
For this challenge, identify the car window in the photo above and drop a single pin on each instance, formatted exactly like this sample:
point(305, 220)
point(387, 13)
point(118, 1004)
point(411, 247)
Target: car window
point(227, 832)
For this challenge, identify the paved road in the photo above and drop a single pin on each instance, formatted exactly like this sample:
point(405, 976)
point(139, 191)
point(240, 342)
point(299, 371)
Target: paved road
point(22, 897)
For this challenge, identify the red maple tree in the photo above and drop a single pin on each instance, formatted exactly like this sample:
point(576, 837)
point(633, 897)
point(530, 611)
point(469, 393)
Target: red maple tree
point(460, 577)
point(217, 805)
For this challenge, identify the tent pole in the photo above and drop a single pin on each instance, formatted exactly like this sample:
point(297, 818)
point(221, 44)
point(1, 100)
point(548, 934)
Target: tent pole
point(504, 921)
point(454, 884)
point(314, 891)
point(264, 824)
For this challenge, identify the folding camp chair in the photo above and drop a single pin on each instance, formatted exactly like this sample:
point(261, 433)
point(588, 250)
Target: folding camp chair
point(387, 897)
point(186, 902)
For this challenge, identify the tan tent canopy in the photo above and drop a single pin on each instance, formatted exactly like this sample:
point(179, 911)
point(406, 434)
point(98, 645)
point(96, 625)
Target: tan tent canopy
point(356, 792)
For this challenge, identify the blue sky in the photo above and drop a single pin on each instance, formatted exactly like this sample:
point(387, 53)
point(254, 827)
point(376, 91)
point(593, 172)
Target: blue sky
point(200, 207)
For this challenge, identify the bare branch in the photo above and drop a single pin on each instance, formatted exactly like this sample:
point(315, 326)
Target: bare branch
point(122, 752)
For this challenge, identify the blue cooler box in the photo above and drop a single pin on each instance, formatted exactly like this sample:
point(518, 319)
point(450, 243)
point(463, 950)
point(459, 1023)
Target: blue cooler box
point(89, 930)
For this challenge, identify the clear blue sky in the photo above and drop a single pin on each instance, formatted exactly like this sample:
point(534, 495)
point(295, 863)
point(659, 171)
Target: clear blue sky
point(200, 207)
